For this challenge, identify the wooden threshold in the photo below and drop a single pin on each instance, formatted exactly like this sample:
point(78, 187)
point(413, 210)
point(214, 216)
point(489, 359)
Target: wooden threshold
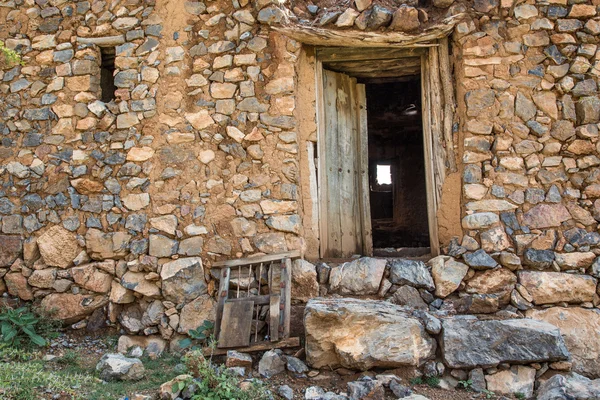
point(259, 346)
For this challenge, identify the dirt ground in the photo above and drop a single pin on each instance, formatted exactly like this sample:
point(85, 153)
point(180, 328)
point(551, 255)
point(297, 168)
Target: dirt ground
point(91, 346)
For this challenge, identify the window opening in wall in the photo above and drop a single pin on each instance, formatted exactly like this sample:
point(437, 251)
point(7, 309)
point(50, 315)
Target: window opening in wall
point(384, 174)
point(398, 193)
point(107, 71)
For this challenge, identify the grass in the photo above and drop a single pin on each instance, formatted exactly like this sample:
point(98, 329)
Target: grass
point(23, 376)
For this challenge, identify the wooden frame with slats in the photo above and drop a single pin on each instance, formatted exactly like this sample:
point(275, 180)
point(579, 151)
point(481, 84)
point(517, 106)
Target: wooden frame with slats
point(277, 268)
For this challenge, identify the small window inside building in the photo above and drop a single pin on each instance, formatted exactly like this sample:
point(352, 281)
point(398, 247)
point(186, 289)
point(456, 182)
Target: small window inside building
point(107, 70)
point(384, 175)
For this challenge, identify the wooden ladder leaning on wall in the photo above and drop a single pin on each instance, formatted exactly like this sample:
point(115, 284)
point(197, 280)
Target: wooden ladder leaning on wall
point(238, 309)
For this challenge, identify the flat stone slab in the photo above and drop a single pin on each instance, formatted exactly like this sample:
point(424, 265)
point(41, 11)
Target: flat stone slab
point(467, 342)
point(362, 334)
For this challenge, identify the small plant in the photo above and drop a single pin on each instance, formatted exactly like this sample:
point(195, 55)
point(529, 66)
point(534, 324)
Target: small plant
point(17, 325)
point(10, 56)
point(520, 395)
point(416, 381)
point(466, 385)
point(200, 334)
point(218, 383)
point(432, 381)
point(488, 393)
point(71, 357)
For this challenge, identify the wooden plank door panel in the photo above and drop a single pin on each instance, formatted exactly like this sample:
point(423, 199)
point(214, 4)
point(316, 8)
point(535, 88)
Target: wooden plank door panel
point(342, 189)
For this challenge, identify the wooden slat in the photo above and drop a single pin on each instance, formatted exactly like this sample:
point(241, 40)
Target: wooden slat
point(365, 204)
point(256, 260)
point(236, 324)
point(274, 312)
point(436, 110)
point(347, 156)
point(449, 106)
point(313, 187)
point(428, 149)
point(260, 346)
point(321, 160)
point(258, 300)
point(222, 295)
point(329, 54)
point(332, 169)
point(286, 294)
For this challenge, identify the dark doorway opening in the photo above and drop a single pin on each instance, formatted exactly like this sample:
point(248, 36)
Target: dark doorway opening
point(398, 191)
point(107, 71)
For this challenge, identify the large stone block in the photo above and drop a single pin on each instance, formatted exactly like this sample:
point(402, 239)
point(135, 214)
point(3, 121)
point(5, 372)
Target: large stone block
point(467, 342)
point(58, 247)
point(11, 248)
point(358, 277)
point(557, 287)
point(580, 329)
point(71, 308)
point(362, 334)
point(183, 279)
point(569, 387)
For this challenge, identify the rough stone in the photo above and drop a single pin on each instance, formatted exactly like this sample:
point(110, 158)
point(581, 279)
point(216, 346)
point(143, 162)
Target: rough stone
point(304, 281)
point(410, 272)
point(557, 287)
point(580, 329)
point(358, 277)
point(183, 279)
point(58, 247)
point(467, 342)
point(363, 334)
point(117, 367)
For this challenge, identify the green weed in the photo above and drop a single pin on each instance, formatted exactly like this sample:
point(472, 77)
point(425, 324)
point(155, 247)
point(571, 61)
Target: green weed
point(18, 326)
point(217, 383)
point(10, 56)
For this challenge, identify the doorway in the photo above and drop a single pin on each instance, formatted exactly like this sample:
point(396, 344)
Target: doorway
point(397, 183)
point(377, 141)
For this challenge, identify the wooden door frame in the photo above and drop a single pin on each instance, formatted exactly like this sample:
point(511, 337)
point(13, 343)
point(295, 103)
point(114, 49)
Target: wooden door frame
point(433, 183)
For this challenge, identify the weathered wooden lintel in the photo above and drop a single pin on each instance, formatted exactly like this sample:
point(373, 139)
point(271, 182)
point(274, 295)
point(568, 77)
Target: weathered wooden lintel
point(352, 38)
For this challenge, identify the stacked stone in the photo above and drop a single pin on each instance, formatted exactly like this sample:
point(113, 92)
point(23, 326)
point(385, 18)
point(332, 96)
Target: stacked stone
point(364, 15)
point(115, 199)
point(431, 306)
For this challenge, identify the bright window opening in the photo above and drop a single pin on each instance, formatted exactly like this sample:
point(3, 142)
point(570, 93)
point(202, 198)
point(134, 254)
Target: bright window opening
point(384, 174)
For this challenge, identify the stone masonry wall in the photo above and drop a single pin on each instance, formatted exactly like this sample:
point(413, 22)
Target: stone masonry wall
point(116, 210)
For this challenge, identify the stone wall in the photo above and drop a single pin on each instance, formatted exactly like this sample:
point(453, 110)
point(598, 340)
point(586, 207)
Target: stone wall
point(116, 210)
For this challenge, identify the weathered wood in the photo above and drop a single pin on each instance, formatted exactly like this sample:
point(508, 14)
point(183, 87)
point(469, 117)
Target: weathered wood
point(449, 106)
point(436, 110)
point(286, 294)
point(222, 296)
point(260, 346)
point(274, 312)
point(104, 41)
point(348, 196)
point(332, 54)
point(429, 154)
point(352, 38)
point(256, 260)
point(377, 68)
point(262, 300)
point(236, 324)
point(332, 163)
point(321, 160)
point(313, 187)
point(363, 165)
